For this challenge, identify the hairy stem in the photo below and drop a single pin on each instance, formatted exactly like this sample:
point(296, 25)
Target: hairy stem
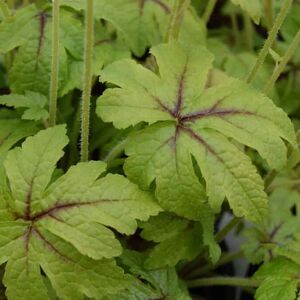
point(283, 63)
point(176, 19)
point(209, 10)
point(4, 9)
point(270, 40)
point(87, 84)
point(54, 63)
point(223, 281)
point(227, 228)
point(225, 259)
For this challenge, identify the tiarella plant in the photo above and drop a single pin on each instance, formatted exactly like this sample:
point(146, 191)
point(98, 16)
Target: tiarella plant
point(148, 149)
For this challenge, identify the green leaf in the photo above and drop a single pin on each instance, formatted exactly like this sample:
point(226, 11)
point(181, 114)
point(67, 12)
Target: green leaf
point(253, 8)
point(178, 239)
point(12, 131)
point(144, 23)
point(60, 226)
point(33, 103)
point(15, 29)
point(280, 280)
point(155, 284)
point(194, 121)
point(32, 65)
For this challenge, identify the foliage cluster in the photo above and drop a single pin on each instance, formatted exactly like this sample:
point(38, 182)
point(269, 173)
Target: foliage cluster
point(130, 130)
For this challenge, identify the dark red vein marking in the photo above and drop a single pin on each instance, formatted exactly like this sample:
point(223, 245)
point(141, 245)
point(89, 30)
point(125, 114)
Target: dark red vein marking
point(51, 246)
point(27, 212)
point(141, 6)
point(180, 91)
point(104, 41)
point(213, 111)
point(5, 138)
point(65, 206)
point(163, 106)
point(42, 25)
point(160, 3)
point(27, 241)
point(200, 140)
point(163, 5)
point(202, 114)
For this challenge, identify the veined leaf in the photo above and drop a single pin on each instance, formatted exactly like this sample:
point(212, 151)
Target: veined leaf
point(60, 226)
point(155, 284)
point(178, 239)
point(280, 280)
point(192, 121)
point(143, 23)
point(33, 103)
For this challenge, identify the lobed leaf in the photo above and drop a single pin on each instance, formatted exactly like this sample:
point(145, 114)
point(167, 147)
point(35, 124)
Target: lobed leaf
point(193, 122)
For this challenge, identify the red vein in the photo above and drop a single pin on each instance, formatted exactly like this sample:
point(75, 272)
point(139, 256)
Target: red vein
point(42, 21)
point(27, 241)
point(163, 106)
point(163, 5)
point(50, 246)
point(27, 212)
point(199, 139)
point(180, 91)
point(160, 3)
point(64, 206)
point(213, 111)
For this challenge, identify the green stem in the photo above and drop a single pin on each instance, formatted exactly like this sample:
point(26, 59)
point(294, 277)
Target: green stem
point(177, 16)
point(54, 63)
point(4, 9)
point(248, 27)
point(225, 259)
point(227, 228)
point(270, 40)
point(11, 4)
point(115, 153)
point(283, 63)
point(235, 28)
point(88, 75)
point(209, 10)
point(268, 6)
point(223, 281)
point(26, 2)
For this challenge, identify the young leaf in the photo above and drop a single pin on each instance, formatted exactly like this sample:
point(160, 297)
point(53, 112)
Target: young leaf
point(280, 280)
point(178, 239)
point(156, 284)
point(12, 131)
point(33, 103)
point(193, 121)
point(60, 226)
point(253, 8)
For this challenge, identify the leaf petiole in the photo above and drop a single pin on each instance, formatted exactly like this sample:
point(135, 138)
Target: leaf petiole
point(270, 40)
point(87, 83)
point(223, 281)
point(54, 63)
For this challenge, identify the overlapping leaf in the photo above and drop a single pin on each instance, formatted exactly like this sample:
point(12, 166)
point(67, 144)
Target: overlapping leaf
point(177, 239)
point(61, 226)
point(280, 279)
point(143, 23)
point(193, 121)
point(30, 30)
point(156, 284)
point(33, 103)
